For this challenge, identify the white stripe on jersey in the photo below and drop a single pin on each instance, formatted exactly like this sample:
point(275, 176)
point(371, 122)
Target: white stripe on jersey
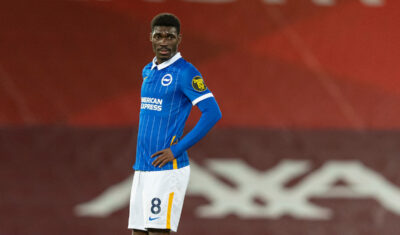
point(151, 134)
point(179, 109)
point(203, 97)
point(158, 134)
point(170, 111)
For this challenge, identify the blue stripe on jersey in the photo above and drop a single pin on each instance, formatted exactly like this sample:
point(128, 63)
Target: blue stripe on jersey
point(166, 100)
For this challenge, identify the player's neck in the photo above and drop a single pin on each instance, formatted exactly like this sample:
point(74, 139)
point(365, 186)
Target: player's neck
point(160, 60)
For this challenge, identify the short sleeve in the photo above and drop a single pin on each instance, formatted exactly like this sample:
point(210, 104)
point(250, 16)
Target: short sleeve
point(193, 85)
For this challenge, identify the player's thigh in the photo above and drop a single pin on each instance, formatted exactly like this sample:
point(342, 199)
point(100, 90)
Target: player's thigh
point(164, 197)
point(136, 208)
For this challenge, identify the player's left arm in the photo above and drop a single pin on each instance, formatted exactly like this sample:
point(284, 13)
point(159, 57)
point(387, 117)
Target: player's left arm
point(193, 86)
point(210, 114)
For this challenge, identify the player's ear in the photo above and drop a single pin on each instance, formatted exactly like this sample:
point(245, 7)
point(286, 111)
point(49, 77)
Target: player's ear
point(179, 38)
point(151, 36)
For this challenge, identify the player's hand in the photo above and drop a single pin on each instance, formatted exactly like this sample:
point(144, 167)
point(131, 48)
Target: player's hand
point(164, 156)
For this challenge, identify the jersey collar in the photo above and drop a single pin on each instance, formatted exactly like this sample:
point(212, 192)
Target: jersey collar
point(167, 63)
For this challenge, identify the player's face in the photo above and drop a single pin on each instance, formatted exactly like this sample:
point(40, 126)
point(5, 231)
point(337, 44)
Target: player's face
point(165, 40)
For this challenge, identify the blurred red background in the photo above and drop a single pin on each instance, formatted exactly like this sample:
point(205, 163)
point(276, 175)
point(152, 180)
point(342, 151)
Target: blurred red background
point(294, 79)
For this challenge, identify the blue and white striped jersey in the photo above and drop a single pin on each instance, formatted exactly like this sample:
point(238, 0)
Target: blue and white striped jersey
point(168, 92)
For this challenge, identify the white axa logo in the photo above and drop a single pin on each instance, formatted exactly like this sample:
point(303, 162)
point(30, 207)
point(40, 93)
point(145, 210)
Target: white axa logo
point(166, 80)
point(361, 182)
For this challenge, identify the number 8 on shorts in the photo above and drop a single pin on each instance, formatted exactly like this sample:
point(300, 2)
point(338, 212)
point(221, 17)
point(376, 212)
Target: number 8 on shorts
point(156, 206)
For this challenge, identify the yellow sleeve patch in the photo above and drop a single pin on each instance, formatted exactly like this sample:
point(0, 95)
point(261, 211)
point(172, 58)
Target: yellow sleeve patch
point(198, 84)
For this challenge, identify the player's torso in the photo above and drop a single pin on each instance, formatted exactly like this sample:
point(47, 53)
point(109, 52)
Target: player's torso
point(159, 89)
point(163, 111)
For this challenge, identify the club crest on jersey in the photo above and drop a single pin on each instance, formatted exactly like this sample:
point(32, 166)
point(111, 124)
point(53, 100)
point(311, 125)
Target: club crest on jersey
point(166, 80)
point(198, 84)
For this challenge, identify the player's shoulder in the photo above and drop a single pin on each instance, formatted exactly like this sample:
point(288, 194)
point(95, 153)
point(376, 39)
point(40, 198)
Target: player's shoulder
point(146, 69)
point(186, 64)
point(189, 70)
point(147, 66)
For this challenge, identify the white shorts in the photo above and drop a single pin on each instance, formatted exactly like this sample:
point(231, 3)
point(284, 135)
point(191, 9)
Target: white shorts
point(157, 199)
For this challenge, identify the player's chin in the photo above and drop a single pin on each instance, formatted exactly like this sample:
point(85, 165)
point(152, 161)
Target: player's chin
point(164, 57)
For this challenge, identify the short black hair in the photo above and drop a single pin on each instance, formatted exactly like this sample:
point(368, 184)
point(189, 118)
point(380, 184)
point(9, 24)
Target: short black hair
point(166, 19)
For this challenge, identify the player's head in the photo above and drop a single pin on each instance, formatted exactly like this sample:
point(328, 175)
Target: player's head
point(166, 19)
point(165, 36)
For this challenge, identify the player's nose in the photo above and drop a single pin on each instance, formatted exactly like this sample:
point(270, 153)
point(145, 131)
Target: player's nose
point(163, 42)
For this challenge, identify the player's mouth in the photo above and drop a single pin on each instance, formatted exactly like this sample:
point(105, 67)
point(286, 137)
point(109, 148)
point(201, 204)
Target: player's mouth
point(164, 51)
